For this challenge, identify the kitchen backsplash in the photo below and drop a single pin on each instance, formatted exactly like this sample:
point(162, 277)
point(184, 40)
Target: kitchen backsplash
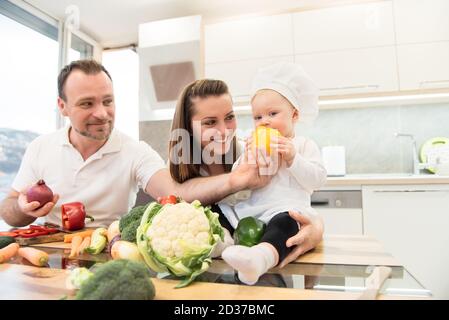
point(366, 133)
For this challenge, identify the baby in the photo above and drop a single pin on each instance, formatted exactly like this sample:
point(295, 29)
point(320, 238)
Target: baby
point(283, 95)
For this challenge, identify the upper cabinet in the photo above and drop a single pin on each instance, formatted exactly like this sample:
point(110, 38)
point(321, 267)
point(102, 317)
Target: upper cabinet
point(424, 66)
point(370, 48)
point(421, 20)
point(255, 38)
point(355, 71)
point(238, 75)
point(340, 28)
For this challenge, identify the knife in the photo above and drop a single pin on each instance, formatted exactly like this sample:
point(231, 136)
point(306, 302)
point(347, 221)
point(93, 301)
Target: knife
point(56, 226)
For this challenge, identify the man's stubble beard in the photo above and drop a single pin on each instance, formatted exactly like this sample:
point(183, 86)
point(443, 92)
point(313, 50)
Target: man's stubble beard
point(104, 136)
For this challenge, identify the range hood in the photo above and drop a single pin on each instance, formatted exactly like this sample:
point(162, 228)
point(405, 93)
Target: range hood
point(169, 59)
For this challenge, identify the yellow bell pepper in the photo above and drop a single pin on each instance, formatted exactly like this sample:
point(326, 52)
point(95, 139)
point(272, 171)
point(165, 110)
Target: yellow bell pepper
point(262, 137)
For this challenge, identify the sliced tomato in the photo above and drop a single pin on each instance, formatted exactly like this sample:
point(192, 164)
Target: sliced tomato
point(51, 230)
point(25, 231)
point(43, 229)
point(36, 227)
point(168, 199)
point(8, 234)
point(34, 234)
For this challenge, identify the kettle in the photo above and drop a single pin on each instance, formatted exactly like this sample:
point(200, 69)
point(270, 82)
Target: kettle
point(334, 159)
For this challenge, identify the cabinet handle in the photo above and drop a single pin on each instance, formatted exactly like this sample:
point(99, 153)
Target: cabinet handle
point(320, 202)
point(369, 86)
point(403, 191)
point(432, 82)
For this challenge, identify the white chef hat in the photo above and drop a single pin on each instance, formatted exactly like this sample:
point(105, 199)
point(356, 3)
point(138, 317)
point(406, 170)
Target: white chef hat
point(291, 81)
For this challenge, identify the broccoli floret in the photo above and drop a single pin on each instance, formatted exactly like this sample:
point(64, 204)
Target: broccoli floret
point(118, 280)
point(133, 215)
point(129, 232)
point(128, 223)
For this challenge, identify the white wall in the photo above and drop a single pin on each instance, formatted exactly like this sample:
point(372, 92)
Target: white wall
point(123, 65)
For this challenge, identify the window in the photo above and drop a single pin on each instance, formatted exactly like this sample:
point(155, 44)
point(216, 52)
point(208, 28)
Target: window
point(29, 66)
point(79, 49)
point(29, 55)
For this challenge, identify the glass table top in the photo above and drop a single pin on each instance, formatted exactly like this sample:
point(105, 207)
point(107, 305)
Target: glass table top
point(328, 277)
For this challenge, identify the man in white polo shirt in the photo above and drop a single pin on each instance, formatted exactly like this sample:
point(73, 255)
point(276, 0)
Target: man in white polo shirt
point(91, 162)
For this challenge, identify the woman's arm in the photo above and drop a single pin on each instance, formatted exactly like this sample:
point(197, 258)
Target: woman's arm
point(209, 190)
point(308, 237)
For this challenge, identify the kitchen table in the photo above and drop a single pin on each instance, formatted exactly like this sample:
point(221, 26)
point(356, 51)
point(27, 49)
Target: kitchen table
point(337, 269)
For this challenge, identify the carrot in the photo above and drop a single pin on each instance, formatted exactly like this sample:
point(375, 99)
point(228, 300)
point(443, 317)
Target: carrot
point(68, 237)
point(76, 242)
point(84, 244)
point(8, 252)
point(37, 257)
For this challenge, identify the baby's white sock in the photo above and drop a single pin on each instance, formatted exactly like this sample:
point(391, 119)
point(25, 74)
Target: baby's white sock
point(250, 262)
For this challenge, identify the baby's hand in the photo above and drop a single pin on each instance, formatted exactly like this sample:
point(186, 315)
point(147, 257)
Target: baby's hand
point(285, 148)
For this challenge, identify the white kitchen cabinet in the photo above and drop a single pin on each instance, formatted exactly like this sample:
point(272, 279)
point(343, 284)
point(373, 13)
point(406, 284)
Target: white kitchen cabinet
point(367, 48)
point(412, 223)
point(342, 221)
point(262, 37)
point(344, 27)
point(421, 20)
point(239, 75)
point(341, 209)
point(350, 72)
point(424, 65)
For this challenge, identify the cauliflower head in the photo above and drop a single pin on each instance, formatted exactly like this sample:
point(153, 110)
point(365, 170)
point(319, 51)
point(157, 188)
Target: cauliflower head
point(179, 238)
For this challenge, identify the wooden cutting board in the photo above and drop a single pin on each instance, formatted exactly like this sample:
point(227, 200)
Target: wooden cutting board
point(55, 237)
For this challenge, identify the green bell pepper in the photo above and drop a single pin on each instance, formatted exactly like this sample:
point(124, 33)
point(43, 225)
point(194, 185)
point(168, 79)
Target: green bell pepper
point(249, 231)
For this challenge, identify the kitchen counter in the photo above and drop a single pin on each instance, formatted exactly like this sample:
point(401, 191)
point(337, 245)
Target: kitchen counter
point(336, 269)
point(385, 179)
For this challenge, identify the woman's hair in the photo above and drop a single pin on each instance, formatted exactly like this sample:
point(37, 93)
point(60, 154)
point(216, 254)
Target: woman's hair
point(183, 120)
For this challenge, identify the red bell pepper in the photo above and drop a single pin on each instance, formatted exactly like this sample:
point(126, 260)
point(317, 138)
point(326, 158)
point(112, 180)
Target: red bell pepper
point(73, 216)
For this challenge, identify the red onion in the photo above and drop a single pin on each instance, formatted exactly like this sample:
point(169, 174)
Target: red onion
point(40, 193)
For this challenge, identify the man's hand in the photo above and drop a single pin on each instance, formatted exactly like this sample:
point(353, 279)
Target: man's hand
point(309, 236)
point(30, 208)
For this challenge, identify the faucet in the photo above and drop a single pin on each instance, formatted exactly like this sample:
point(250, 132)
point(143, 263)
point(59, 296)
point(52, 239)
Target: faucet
point(416, 165)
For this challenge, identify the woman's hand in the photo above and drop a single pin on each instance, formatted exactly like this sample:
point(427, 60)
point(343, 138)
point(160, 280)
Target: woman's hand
point(285, 148)
point(268, 163)
point(249, 172)
point(309, 236)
